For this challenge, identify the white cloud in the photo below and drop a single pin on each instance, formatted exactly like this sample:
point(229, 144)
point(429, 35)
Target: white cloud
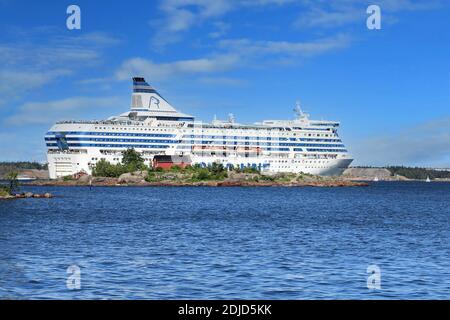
point(51, 111)
point(332, 14)
point(222, 81)
point(15, 83)
point(56, 50)
point(178, 16)
point(161, 71)
point(427, 144)
point(29, 64)
point(285, 48)
point(233, 54)
point(95, 39)
point(318, 17)
point(181, 15)
point(221, 29)
point(266, 2)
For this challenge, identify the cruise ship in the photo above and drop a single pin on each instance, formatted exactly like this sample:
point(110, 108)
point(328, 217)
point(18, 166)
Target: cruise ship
point(154, 128)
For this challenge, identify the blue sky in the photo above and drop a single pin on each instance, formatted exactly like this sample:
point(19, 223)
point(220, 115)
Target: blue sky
point(390, 88)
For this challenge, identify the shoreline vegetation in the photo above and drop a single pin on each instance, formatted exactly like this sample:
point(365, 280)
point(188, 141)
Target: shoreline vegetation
point(9, 190)
point(186, 178)
point(132, 171)
point(37, 171)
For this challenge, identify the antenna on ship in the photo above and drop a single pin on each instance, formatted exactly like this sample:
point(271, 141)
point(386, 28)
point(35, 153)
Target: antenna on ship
point(299, 112)
point(231, 118)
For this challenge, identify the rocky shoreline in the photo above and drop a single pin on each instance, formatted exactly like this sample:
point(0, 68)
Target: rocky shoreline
point(118, 182)
point(27, 195)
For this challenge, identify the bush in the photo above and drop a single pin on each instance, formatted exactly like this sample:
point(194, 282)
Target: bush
point(13, 183)
point(215, 171)
point(4, 192)
point(176, 169)
point(267, 178)
point(218, 176)
point(151, 177)
point(247, 170)
point(216, 168)
point(131, 162)
point(104, 168)
point(201, 174)
point(250, 170)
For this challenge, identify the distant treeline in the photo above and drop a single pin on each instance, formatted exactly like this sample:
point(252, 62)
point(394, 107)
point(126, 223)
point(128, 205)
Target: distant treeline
point(419, 173)
point(7, 167)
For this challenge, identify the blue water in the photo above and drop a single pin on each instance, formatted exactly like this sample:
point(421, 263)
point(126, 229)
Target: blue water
point(226, 243)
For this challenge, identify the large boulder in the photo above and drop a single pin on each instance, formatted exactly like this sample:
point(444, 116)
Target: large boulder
point(133, 177)
point(172, 176)
point(237, 177)
point(85, 178)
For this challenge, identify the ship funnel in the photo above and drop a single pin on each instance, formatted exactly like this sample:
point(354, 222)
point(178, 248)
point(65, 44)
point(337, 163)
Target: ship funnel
point(146, 98)
point(141, 86)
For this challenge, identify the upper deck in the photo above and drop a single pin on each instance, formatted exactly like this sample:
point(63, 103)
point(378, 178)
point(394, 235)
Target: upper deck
point(150, 110)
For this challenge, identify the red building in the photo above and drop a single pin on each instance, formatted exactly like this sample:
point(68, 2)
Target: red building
point(167, 162)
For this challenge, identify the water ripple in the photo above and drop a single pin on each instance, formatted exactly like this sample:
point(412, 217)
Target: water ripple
point(228, 243)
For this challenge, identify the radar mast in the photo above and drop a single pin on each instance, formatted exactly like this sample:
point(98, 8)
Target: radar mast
point(299, 112)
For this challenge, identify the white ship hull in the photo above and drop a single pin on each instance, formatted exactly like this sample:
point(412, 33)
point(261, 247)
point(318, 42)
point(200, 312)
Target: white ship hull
point(65, 164)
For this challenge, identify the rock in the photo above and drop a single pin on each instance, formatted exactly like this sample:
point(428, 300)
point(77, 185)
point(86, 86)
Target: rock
point(171, 176)
point(236, 177)
point(32, 195)
point(85, 178)
point(133, 177)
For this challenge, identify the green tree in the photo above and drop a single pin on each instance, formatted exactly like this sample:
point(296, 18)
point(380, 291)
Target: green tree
point(218, 171)
point(418, 173)
point(133, 160)
point(12, 184)
point(104, 168)
point(216, 168)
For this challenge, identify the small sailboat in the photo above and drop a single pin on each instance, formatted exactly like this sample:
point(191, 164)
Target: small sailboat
point(428, 179)
point(375, 179)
